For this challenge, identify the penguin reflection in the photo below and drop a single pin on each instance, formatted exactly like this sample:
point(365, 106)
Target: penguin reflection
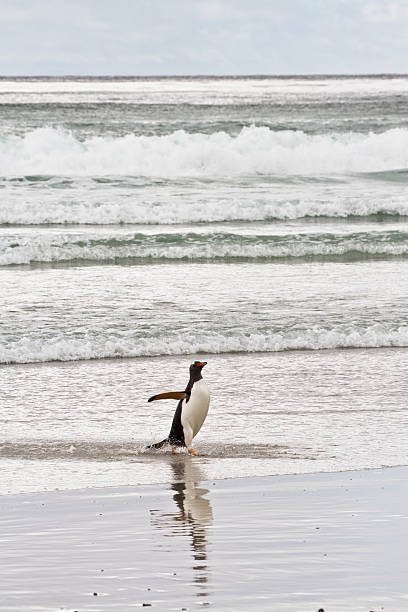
point(194, 515)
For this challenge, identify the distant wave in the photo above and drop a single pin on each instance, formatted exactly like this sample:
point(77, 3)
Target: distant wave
point(139, 248)
point(256, 150)
point(111, 346)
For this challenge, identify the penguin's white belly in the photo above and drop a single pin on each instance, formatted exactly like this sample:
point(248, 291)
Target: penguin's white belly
point(194, 412)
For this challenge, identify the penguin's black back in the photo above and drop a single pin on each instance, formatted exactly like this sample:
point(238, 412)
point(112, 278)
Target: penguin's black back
point(176, 435)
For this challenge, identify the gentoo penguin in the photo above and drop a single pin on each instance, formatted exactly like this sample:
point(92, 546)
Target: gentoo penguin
point(190, 413)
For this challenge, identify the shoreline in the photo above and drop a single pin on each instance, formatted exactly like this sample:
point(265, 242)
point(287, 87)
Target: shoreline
point(85, 424)
point(332, 540)
point(181, 458)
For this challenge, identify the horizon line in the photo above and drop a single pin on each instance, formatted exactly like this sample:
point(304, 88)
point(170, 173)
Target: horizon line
point(208, 76)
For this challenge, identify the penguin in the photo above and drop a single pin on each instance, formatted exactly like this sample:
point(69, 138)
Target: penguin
point(190, 413)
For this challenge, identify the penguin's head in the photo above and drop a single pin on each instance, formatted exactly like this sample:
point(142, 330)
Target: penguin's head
point(198, 364)
point(195, 369)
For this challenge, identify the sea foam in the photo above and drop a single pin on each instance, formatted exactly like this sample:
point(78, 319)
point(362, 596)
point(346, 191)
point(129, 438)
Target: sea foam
point(218, 246)
point(172, 210)
point(255, 150)
point(113, 346)
point(30, 205)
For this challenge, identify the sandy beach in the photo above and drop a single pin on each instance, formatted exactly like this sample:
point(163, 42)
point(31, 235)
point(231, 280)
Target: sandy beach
point(334, 541)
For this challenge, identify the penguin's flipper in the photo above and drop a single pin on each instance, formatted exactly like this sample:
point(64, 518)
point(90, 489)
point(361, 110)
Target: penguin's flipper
point(176, 395)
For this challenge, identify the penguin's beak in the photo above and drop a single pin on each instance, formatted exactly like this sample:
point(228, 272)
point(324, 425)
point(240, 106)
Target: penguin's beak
point(202, 364)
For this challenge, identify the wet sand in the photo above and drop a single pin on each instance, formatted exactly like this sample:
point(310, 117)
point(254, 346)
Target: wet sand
point(335, 541)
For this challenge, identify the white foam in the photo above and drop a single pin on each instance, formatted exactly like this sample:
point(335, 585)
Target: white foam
point(70, 349)
point(51, 247)
point(256, 150)
point(114, 208)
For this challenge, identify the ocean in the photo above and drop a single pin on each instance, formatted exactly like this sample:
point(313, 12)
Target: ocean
point(259, 224)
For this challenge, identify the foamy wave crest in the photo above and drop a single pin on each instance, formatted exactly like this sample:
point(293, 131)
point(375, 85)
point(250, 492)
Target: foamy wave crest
point(255, 150)
point(70, 349)
point(175, 210)
point(51, 248)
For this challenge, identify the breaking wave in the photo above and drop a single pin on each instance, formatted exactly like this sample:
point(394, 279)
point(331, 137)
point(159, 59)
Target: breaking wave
point(172, 210)
point(255, 150)
point(317, 338)
point(144, 248)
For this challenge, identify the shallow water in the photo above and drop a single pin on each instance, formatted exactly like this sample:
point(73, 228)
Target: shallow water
point(122, 311)
point(82, 424)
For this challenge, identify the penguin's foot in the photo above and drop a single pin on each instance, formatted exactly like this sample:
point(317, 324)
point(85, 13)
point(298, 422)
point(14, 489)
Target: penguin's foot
point(193, 452)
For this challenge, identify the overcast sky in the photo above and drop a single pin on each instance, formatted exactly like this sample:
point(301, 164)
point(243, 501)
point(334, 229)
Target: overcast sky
point(165, 37)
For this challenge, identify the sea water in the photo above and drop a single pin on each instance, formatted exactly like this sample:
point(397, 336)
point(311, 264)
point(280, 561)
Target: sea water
point(260, 224)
